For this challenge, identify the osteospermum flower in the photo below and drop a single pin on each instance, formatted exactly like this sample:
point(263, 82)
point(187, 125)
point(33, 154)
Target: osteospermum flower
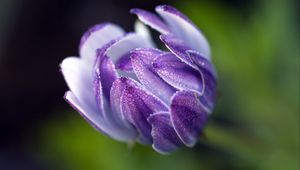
point(130, 90)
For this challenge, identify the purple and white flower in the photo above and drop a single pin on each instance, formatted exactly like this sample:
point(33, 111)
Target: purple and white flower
point(130, 90)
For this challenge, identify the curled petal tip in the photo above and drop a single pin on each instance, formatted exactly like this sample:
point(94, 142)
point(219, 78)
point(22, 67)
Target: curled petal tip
point(165, 139)
point(135, 10)
point(188, 116)
point(151, 20)
point(92, 29)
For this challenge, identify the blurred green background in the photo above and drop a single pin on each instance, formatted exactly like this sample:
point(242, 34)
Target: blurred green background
point(255, 125)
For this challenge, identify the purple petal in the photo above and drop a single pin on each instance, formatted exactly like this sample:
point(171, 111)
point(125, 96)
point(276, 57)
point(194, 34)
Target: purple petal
point(105, 74)
point(208, 72)
point(184, 29)
point(198, 62)
point(165, 139)
point(124, 63)
point(151, 19)
point(116, 92)
point(149, 54)
point(202, 63)
point(136, 106)
point(123, 46)
point(94, 38)
point(209, 96)
point(178, 47)
point(177, 73)
point(188, 116)
point(141, 61)
point(183, 77)
point(186, 54)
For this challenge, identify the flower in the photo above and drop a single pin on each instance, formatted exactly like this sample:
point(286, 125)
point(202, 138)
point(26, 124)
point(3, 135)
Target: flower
point(131, 91)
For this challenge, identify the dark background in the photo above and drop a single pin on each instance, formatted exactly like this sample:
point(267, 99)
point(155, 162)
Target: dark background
point(35, 36)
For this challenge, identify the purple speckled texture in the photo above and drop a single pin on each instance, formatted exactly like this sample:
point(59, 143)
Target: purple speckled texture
point(152, 96)
point(124, 63)
point(165, 139)
point(143, 69)
point(116, 92)
point(178, 47)
point(177, 73)
point(137, 105)
point(188, 116)
point(106, 74)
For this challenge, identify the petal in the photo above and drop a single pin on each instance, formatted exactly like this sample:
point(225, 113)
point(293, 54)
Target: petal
point(209, 96)
point(82, 98)
point(177, 73)
point(96, 37)
point(208, 72)
point(184, 29)
point(143, 30)
point(188, 116)
point(79, 79)
point(136, 105)
point(149, 54)
point(123, 46)
point(89, 114)
point(178, 47)
point(181, 76)
point(141, 61)
point(92, 116)
point(186, 54)
point(151, 19)
point(116, 92)
point(117, 122)
point(124, 63)
point(201, 62)
point(165, 139)
point(105, 74)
